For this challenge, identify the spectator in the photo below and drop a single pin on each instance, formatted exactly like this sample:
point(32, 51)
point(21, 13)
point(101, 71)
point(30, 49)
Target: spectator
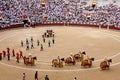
point(36, 75)
point(46, 77)
point(24, 76)
point(75, 78)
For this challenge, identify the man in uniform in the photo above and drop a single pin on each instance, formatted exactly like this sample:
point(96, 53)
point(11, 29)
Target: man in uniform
point(8, 54)
point(17, 57)
point(106, 60)
point(27, 42)
point(4, 53)
point(0, 56)
point(53, 40)
point(49, 43)
point(27, 46)
point(31, 39)
point(21, 53)
point(88, 59)
point(59, 60)
point(8, 50)
point(13, 52)
point(21, 43)
point(44, 39)
point(38, 42)
point(41, 47)
point(32, 46)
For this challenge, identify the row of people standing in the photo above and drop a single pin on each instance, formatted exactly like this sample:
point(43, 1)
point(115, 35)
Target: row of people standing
point(38, 43)
point(7, 53)
point(35, 76)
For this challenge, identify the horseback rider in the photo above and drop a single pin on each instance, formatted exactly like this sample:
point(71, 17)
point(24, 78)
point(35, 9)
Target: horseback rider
point(58, 60)
point(71, 56)
point(80, 53)
point(30, 57)
point(88, 59)
point(106, 60)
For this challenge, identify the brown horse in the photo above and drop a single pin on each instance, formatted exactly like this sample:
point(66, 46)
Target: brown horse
point(80, 56)
point(87, 62)
point(29, 61)
point(69, 61)
point(105, 64)
point(57, 63)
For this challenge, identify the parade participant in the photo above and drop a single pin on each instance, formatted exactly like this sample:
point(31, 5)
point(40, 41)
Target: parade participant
point(24, 76)
point(8, 55)
point(31, 39)
point(41, 48)
point(0, 56)
point(43, 36)
point(44, 39)
point(75, 78)
point(88, 59)
point(53, 34)
point(4, 53)
point(8, 50)
point(27, 46)
point(49, 43)
point(106, 60)
point(13, 52)
point(38, 42)
point(53, 40)
point(21, 43)
point(27, 42)
point(46, 77)
point(58, 60)
point(71, 56)
point(32, 46)
point(17, 57)
point(21, 53)
point(30, 57)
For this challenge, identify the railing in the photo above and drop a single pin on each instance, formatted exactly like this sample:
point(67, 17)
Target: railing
point(65, 24)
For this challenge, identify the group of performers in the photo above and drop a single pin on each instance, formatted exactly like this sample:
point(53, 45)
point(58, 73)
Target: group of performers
point(87, 62)
point(7, 53)
point(31, 42)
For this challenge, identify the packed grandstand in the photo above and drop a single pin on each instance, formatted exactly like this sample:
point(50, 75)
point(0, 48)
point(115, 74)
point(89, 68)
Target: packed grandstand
point(61, 11)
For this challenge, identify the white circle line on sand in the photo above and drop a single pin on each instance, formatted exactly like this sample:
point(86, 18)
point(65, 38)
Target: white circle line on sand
point(113, 36)
point(44, 70)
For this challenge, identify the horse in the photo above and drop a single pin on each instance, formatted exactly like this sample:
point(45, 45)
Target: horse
point(69, 61)
point(30, 61)
point(87, 62)
point(105, 64)
point(57, 63)
point(80, 56)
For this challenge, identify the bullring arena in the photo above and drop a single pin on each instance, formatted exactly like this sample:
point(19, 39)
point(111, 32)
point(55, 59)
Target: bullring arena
point(86, 38)
point(98, 43)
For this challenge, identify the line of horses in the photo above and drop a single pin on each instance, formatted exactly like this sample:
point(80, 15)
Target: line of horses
point(72, 60)
point(80, 58)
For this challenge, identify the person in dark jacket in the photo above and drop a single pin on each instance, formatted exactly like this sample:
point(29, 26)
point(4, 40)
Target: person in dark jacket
point(46, 77)
point(36, 75)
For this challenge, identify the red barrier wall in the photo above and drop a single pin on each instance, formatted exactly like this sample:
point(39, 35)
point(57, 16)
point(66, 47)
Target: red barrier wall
point(62, 24)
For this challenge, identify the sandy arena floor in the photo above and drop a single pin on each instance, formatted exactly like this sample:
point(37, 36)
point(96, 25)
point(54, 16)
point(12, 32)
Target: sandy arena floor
point(97, 43)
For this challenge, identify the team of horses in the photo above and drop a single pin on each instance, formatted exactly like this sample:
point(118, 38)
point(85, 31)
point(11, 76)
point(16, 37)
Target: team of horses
point(48, 33)
point(79, 57)
point(72, 60)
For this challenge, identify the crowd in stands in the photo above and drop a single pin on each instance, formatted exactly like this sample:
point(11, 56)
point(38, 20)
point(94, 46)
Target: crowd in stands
point(15, 11)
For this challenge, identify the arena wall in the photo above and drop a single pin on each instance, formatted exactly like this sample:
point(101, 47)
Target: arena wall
point(63, 24)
